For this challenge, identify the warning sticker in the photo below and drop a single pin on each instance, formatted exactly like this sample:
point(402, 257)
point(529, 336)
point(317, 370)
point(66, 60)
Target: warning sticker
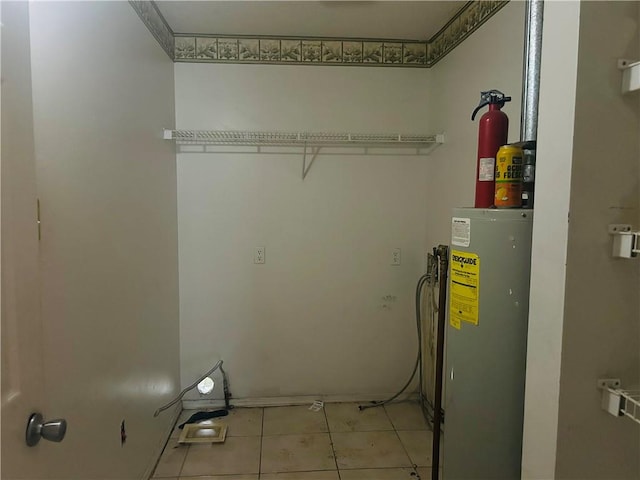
point(464, 288)
point(460, 231)
point(486, 169)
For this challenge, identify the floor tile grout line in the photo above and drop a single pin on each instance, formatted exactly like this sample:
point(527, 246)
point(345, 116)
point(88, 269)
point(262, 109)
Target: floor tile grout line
point(384, 409)
point(310, 432)
point(185, 454)
point(164, 449)
point(413, 465)
point(261, 440)
point(333, 448)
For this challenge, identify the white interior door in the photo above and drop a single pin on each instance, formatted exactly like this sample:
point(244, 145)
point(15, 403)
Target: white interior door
point(21, 334)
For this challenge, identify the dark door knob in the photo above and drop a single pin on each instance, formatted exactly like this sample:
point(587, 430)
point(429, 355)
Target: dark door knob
point(53, 430)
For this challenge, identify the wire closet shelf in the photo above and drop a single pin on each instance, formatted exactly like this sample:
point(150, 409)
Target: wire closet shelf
point(302, 139)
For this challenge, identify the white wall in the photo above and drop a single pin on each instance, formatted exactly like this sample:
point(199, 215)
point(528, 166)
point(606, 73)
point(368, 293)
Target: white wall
point(312, 320)
point(588, 172)
point(601, 327)
point(490, 59)
point(549, 248)
point(103, 89)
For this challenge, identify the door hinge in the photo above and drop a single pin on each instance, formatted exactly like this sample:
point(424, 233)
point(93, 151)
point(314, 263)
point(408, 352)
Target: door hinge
point(38, 218)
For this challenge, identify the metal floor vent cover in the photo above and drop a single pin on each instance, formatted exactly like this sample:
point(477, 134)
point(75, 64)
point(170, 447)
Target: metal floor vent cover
point(203, 433)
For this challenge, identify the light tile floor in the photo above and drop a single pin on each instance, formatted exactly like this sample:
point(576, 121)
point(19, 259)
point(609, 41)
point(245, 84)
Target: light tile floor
point(293, 443)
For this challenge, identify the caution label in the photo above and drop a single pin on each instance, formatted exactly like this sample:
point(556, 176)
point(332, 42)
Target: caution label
point(464, 288)
point(460, 232)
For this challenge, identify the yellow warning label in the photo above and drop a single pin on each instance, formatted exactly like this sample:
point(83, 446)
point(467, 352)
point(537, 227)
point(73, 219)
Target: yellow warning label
point(464, 288)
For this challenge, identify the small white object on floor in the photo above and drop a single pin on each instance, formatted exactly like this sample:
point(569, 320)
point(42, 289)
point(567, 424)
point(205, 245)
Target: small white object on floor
point(316, 406)
point(207, 433)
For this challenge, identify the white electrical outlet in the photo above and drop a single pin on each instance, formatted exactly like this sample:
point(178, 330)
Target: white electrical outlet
point(396, 256)
point(258, 255)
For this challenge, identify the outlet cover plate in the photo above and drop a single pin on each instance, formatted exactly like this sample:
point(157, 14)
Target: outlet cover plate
point(396, 257)
point(259, 255)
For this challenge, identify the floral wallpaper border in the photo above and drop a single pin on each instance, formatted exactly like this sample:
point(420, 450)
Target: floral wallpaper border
point(464, 23)
point(315, 51)
point(301, 51)
point(155, 22)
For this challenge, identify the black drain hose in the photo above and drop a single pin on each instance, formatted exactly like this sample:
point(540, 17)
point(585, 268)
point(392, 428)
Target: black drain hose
point(443, 256)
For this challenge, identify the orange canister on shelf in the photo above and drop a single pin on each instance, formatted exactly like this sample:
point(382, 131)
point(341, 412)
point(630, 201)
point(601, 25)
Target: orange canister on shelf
point(508, 193)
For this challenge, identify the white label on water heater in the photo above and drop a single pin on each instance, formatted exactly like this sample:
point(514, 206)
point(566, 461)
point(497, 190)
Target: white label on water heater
point(486, 169)
point(460, 231)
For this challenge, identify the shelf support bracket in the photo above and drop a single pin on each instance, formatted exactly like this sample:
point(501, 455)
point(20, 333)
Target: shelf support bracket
point(611, 401)
point(630, 74)
point(314, 153)
point(626, 244)
point(617, 401)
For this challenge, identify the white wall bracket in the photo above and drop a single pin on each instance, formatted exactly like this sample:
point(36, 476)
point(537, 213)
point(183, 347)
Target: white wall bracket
point(618, 401)
point(314, 154)
point(630, 74)
point(625, 242)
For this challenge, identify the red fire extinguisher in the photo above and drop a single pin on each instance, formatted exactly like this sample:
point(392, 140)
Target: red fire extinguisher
point(492, 134)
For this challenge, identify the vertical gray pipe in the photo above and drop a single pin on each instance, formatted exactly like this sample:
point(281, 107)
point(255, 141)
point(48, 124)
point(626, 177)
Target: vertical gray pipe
point(531, 69)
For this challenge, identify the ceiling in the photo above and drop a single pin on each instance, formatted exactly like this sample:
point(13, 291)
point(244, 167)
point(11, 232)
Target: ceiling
point(416, 20)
